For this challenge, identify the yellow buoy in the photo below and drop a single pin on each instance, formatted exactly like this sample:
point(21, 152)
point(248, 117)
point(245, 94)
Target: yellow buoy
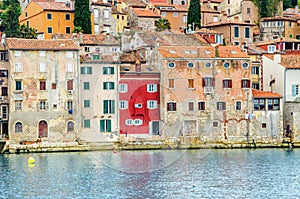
point(31, 160)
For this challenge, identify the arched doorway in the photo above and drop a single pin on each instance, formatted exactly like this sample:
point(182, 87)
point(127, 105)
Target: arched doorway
point(43, 129)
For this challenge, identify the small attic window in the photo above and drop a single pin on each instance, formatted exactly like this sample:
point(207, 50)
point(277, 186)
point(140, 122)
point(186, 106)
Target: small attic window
point(126, 69)
point(187, 52)
point(207, 52)
point(172, 51)
point(226, 65)
point(171, 65)
point(208, 65)
point(190, 65)
point(233, 52)
point(245, 65)
point(96, 57)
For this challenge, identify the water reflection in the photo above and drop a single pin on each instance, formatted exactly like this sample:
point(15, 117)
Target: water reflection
point(261, 173)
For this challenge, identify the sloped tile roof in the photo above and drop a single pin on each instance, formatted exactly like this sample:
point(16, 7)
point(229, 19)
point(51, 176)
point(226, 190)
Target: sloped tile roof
point(100, 3)
point(140, 12)
point(264, 94)
point(90, 39)
point(162, 6)
point(234, 22)
point(55, 6)
point(291, 61)
point(202, 52)
point(134, 3)
point(36, 44)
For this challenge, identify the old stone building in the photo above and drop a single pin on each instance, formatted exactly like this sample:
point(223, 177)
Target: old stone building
point(205, 91)
point(44, 90)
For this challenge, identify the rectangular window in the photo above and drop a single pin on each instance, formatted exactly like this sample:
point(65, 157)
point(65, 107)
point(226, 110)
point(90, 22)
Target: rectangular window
point(255, 70)
point(18, 53)
point(86, 85)
point(70, 105)
point(151, 104)
point(263, 125)
point(208, 82)
point(105, 125)
point(70, 85)
point(273, 104)
point(138, 122)
point(108, 106)
point(42, 85)
point(151, 88)
point(87, 49)
point(247, 32)
point(86, 123)
point(171, 83)
point(246, 83)
point(184, 19)
point(86, 103)
point(96, 57)
point(49, 30)
point(106, 14)
point(3, 73)
point(86, 70)
point(123, 104)
point(123, 88)
point(42, 67)
point(227, 83)
point(248, 11)
point(70, 67)
point(129, 122)
point(49, 16)
point(68, 30)
point(163, 14)
point(42, 53)
point(191, 83)
point(4, 111)
point(18, 67)
point(295, 90)
point(108, 70)
point(108, 85)
point(53, 85)
point(259, 104)
point(215, 124)
point(221, 106)
point(255, 86)
point(68, 17)
point(191, 106)
point(18, 105)
point(69, 54)
point(236, 31)
point(171, 106)
point(3, 56)
point(18, 85)
point(4, 91)
point(43, 105)
point(238, 105)
point(271, 48)
point(201, 106)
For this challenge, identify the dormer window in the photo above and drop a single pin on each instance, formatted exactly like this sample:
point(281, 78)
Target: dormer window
point(226, 65)
point(190, 65)
point(271, 48)
point(208, 65)
point(245, 65)
point(171, 65)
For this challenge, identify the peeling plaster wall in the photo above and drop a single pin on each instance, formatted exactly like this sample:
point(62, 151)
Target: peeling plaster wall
point(56, 114)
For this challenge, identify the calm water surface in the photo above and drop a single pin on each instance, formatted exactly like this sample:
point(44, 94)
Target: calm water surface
point(260, 173)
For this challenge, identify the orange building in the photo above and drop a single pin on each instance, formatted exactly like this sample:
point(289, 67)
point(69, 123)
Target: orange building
point(49, 18)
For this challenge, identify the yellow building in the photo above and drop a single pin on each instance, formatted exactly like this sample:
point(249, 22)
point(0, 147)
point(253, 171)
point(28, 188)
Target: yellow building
point(49, 17)
point(121, 20)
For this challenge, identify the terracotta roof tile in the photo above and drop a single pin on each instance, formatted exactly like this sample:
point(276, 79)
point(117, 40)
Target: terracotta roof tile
point(100, 2)
point(264, 94)
point(202, 52)
point(158, 1)
point(172, 7)
point(35, 44)
point(57, 6)
point(208, 31)
point(90, 39)
point(229, 23)
point(134, 3)
point(140, 12)
point(291, 61)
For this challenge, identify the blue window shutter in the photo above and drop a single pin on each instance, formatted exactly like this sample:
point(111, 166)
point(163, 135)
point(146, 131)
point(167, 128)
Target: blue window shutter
point(294, 90)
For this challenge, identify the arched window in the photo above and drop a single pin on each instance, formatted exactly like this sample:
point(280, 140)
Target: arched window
point(43, 129)
point(18, 127)
point(70, 126)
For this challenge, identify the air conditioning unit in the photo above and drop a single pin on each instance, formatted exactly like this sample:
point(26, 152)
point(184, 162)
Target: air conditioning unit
point(208, 90)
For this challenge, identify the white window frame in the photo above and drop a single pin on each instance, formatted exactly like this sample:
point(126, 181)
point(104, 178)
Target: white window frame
point(42, 53)
point(69, 54)
point(151, 104)
point(129, 122)
point(271, 48)
point(123, 88)
point(18, 67)
point(151, 88)
point(18, 53)
point(123, 104)
point(42, 67)
point(69, 67)
point(138, 122)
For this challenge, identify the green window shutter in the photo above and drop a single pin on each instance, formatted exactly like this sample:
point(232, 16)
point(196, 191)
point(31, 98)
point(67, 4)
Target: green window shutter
point(90, 71)
point(82, 70)
point(102, 126)
point(108, 126)
point(86, 85)
point(86, 124)
point(104, 70)
point(112, 70)
point(105, 85)
point(112, 85)
point(112, 106)
point(105, 106)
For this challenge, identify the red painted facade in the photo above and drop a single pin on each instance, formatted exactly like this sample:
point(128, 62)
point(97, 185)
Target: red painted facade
point(142, 99)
